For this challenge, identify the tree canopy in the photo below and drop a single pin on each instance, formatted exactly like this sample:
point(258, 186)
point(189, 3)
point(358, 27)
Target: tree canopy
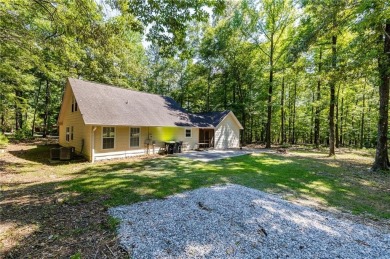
point(293, 72)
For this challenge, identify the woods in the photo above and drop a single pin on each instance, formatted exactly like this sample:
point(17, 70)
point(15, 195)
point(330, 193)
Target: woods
point(293, 72)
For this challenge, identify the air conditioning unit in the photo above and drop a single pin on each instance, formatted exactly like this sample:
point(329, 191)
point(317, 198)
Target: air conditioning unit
point(66, 153)
point(54, 153)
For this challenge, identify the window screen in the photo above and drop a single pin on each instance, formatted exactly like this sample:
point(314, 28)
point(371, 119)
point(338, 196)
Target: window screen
point(134, 137)
point(108, 137)
point(188, 133)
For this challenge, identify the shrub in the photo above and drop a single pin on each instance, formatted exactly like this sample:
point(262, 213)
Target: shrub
point(23, 133)
point(3, 140)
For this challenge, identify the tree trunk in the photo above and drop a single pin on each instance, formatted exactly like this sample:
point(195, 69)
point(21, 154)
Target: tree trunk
point(243, 117)
point(2, 121)
point(332, 99)
point(337, 118)
point(262, 133)
point(312, 121)
point(318, 108)
point(234, 93)
point(269, 107)
point(362, 119)
point(208, 90)
point(294, 112)
point(282, 135)
point(18, 110)
point(36, 108)
point(46, 115)
point(251, 132)
point(3, 111)
point(381, 157)
point(224, 93)
point(289, 114)
point(341, 141)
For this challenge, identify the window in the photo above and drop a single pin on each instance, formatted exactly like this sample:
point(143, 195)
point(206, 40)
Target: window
point(67, 134)
point(74, 105)
point(188, 133)
point(71, 133)
point(108, 137)
point(134, 137)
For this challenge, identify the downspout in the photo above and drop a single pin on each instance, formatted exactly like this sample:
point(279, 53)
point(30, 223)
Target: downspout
point(93, 144)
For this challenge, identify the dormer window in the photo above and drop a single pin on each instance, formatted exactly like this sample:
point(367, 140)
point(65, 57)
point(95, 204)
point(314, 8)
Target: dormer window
point(74, 104)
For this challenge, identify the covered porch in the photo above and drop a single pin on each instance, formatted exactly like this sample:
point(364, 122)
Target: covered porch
point(111, 142)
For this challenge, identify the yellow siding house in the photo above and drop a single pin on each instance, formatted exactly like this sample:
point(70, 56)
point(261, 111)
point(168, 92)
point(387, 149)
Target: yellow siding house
point(104, 122)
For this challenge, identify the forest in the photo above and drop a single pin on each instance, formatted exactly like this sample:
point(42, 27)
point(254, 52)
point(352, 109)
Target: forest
point(292, 71)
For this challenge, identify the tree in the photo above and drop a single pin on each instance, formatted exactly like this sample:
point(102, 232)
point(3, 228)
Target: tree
point(270, 21)
point(381, 157)
point(373, 29)
point(166, 21)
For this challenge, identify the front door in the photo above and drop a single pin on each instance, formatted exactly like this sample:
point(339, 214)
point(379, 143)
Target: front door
point(206, 137)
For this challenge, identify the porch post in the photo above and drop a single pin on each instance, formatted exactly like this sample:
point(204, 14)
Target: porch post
point(93, 144)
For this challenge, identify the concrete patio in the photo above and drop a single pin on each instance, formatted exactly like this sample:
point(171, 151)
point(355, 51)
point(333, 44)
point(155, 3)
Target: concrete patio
point(212, 155)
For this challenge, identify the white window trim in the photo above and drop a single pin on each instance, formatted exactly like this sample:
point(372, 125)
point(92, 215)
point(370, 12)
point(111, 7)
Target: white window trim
point(139, 140)
point(185, 132)
point(103, 138)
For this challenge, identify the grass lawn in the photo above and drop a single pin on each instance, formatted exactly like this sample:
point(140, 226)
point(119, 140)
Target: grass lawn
point(60, 210)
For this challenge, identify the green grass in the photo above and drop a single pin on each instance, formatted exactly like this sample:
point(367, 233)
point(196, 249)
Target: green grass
point(68, 201)
point(331, 182)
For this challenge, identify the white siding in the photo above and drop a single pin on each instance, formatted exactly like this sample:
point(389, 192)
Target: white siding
point(227, 133)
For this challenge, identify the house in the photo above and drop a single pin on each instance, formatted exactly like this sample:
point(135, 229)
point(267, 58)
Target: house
point(104, 122)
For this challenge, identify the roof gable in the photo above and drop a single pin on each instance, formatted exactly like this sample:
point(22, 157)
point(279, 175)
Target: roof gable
point(64, 105)
point(231, 114)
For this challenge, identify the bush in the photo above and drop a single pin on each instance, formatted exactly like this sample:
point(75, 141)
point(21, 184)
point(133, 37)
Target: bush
point(3, 140)
point(23, 133)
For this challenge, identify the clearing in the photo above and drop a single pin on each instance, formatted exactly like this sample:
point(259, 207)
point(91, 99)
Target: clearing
point(58, 210)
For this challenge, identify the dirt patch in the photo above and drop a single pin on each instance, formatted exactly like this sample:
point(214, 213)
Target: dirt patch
point(55, 230)
point(40, 220)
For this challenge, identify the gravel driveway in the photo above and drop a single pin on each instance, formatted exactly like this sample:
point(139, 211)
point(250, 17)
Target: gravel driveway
point(233, 221)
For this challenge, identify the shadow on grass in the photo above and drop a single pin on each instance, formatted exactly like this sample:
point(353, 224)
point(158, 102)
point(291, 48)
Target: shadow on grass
point(331, 185)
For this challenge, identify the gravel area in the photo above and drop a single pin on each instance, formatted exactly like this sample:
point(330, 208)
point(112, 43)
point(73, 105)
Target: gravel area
point(232, 221)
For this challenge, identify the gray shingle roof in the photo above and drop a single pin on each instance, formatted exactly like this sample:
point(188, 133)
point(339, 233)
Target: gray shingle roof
point(102, 104)
point(209, 118)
